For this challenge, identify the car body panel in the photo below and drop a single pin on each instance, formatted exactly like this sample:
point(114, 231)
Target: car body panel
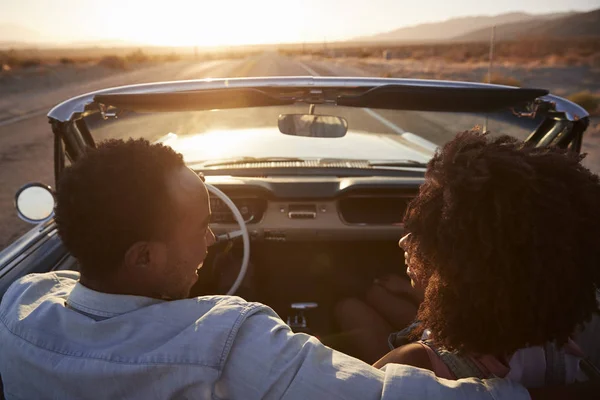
point(69, 109)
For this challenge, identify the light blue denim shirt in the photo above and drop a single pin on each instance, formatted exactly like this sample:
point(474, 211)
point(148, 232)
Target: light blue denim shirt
point(61, 340)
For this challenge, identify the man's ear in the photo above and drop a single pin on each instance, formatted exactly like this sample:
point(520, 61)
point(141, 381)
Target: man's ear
point(146, 255)
point(138, 255)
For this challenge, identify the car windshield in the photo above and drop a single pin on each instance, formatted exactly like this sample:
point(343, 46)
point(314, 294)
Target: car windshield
point(207, 137)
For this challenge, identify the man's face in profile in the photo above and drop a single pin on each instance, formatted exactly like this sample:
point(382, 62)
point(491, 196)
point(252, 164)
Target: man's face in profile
point(184, 250)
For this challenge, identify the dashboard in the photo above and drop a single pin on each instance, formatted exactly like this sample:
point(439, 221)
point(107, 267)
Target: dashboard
point(285, 209)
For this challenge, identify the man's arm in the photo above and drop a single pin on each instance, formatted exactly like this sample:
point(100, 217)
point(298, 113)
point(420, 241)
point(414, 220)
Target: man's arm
point(411, 354)
point(267, 360)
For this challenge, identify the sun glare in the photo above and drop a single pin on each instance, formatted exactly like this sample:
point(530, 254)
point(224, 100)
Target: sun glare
point(218, 23)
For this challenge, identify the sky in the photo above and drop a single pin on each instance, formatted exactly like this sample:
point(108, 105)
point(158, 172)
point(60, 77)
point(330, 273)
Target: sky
point(236, 22)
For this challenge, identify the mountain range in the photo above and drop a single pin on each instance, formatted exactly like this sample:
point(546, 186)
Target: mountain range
point(509, 26)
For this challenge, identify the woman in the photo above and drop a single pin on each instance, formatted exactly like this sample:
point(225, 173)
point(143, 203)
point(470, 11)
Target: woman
point(504, 239)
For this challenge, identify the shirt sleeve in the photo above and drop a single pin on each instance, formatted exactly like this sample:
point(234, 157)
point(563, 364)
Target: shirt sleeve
point(267, 361)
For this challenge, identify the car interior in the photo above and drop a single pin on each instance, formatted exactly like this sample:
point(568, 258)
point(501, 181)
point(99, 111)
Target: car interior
point(313, 241)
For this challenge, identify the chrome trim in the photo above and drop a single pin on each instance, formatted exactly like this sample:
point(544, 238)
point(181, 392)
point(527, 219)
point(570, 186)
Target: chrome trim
point(573, 111)
point(20, 214)
point(302, 214)
point(76, 107)
point(19, 246)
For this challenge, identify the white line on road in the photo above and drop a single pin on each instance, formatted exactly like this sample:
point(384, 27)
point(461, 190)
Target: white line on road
point(308, 69)
point(18, 118)
point(384, 121)
point(372, 113)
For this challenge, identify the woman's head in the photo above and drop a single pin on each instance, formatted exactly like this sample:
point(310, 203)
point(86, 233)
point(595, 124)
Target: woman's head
point(508, 237)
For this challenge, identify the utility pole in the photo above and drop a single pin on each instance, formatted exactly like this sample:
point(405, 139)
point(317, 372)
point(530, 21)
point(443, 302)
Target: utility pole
point(492, 40)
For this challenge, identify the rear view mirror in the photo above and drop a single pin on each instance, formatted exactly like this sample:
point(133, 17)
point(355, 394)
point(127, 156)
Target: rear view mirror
point(35, 203)
point(324, 126)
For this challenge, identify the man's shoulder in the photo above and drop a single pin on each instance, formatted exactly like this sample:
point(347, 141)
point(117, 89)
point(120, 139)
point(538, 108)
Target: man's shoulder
point(198, 330)
point(54, 278)
point(33, 288)
point(229, 310)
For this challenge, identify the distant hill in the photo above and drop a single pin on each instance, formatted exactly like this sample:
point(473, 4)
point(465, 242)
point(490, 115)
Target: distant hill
point(573, 25)
point(456, 27)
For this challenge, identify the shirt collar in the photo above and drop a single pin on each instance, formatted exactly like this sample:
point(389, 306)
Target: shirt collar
point(105, 305)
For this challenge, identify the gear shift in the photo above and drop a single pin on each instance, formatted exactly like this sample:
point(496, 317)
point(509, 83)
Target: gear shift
point(298, 321)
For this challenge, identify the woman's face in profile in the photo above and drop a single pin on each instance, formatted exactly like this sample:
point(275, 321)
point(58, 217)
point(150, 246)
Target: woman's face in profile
point(415, 281)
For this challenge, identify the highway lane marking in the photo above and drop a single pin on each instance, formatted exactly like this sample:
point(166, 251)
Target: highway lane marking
point(369, 111)
point(384, 121)
point(247, 67)
point(308, 69)
point(23, 117)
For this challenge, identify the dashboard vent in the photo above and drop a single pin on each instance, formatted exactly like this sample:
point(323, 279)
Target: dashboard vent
point(383, 207)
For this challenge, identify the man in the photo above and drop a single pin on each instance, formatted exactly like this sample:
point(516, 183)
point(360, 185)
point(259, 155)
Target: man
point(137, 219)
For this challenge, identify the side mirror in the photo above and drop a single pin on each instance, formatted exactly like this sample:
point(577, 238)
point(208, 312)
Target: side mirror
point(309, 125)
point(35, 203)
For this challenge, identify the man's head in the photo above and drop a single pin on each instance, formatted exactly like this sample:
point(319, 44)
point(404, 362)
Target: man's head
point(136, 218)
point(506, 237)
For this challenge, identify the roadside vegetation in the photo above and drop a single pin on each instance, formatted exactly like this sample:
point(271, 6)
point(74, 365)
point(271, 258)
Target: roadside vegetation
point(19, 60)
point(547, 52)
point(587, 100)
point(15, 60)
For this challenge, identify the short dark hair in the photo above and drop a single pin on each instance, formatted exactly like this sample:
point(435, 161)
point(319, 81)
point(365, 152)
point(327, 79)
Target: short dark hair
point(509, 236)
point(112, 197)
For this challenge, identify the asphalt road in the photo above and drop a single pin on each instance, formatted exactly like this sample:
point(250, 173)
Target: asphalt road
point(26, 153)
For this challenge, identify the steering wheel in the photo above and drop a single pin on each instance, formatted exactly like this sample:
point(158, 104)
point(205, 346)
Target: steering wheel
point(243, 232)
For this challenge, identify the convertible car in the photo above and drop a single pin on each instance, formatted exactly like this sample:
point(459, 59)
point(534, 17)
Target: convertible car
point(309, 176)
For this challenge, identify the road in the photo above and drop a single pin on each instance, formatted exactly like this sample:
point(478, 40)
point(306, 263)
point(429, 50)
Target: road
point(26, 140)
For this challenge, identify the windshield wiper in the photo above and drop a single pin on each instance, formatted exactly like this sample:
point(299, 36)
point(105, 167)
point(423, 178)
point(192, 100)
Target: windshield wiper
point(245, 160)
point(322, 162)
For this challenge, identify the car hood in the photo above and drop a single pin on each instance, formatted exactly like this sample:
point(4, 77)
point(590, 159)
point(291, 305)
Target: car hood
point(269, 142)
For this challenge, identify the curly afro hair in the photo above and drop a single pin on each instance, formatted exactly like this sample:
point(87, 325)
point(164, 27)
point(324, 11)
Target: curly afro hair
point(112, 197)
point(507, 236)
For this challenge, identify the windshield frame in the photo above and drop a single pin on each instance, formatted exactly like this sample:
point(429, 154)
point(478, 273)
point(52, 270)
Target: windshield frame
point(564, 122)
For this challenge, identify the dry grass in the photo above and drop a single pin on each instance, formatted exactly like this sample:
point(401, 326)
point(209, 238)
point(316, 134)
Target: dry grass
point(14, 60)
point(505, 80)
point(550, 52)
point(113, 62)
point(587, 100)
point(119, 58)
